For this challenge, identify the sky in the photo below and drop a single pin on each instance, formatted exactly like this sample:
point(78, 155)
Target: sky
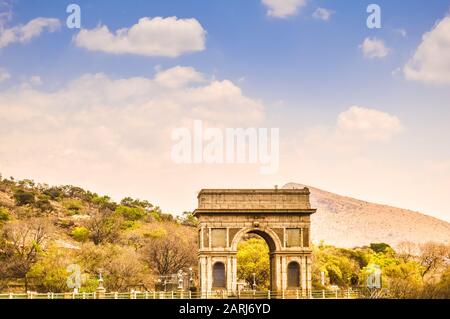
point(361, 111)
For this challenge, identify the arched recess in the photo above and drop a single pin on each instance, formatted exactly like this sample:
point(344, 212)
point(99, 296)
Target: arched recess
point(219, 275)
point(267, 234)
point(273, 242)
point(293, 275)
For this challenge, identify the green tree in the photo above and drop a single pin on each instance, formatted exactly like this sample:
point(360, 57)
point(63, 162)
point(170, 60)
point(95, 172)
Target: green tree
point(253, 258)
point(104, 226)
point(130, 213)
point(23, 197)
point(379, 247)
point(49, 273)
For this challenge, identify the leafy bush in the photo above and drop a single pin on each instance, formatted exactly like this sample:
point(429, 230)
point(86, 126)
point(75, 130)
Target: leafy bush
point(43, 204)
point(156, 233)
point(130, 213)
point(80, 234)
point(4, 215)
point(54, 193)
point(49, 272)
point(74, 206)
point(23, 197)
point(379, 247)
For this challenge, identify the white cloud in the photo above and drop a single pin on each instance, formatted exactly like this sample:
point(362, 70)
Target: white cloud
point(5, 12)
point(102, 121)
point(374, 48)
point(157, 36)
point(35, 80)
point(431, 61)
point(355, 128)
point(283, 8)
point(178, 77)
point(104, 133)
point(4, 75)
point(322, 14)
point(24, 33)
point(369, 124)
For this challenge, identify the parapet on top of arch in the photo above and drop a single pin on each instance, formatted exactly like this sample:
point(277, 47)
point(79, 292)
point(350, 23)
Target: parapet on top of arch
point(254, 201)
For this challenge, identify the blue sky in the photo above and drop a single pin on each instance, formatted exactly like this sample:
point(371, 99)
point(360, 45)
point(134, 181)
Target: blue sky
point(304, 72)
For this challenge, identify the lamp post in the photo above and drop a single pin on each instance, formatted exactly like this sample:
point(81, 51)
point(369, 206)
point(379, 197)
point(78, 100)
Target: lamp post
point(254, 281)
point(190, 278)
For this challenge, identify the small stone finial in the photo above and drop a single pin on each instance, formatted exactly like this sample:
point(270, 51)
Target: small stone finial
point(276, 187)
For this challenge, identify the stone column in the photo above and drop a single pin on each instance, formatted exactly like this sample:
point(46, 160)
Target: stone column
point(309, 272)
point(283, 272)
point(229, 273)
point(303, 273)
point(203, 275)
point(234, 273)
point(278, 274)
point(209, 274)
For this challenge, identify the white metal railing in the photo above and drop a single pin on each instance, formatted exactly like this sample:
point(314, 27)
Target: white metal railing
point(221, 294)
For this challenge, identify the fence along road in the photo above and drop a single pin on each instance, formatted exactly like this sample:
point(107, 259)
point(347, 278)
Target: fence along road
point(285, 294)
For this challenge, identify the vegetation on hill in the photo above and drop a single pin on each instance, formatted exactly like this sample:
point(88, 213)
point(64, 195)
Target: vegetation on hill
point(413, 271)
point(46, 229)
point(47, 232)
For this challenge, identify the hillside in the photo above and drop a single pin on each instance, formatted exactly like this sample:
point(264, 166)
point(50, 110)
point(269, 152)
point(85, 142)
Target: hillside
point(349, 222)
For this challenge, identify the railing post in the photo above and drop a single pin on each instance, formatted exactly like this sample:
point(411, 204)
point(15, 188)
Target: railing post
point(268, 294)
point(190, 294)
point(323, 294)
point(296, 293)
point(282, 294)
point(336, 294)
point(172, 295)
point(11, 295)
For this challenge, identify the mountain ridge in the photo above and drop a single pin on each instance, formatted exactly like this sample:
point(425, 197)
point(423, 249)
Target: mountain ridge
point(348, 222)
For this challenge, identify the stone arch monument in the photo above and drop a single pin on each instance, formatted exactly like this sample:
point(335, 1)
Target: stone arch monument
point(280, 216)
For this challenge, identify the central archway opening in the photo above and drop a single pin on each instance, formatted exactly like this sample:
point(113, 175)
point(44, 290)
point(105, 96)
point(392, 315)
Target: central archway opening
point(254, 262)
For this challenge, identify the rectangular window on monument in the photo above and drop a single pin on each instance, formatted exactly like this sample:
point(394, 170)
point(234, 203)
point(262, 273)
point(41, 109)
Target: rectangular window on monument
point(218, 237)
point(293, 237)
point(305, 237)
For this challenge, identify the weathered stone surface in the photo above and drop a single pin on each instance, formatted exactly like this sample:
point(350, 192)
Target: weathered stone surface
point(281, 217)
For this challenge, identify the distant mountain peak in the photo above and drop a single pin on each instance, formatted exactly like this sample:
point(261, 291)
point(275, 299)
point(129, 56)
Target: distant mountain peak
point(348, 222)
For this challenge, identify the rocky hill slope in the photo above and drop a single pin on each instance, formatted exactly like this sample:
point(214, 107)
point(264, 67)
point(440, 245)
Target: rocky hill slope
point(349, 222)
